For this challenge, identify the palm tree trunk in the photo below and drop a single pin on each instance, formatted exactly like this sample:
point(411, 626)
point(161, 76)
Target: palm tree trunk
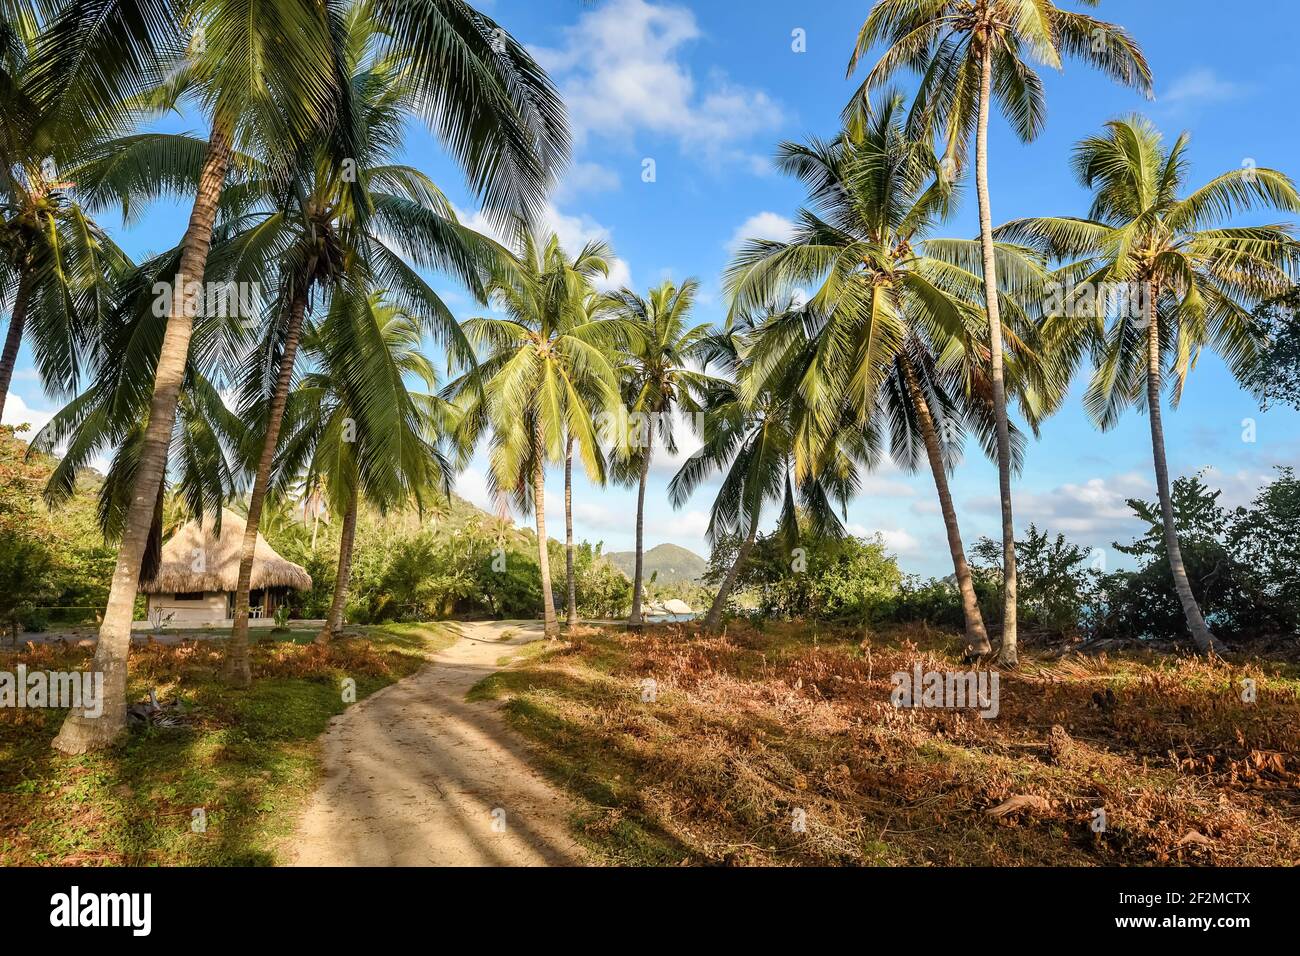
point(637, 579)
point(714, 617)
point(1201, 636)
point(977, 638)
point(237, 669)
point(549, 623)
point(1007, 654)
point(347, 534)
point(571, 618)
point(13, 339)
point(80, 733)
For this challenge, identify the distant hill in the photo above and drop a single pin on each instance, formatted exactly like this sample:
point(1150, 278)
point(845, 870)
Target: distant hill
point(674, 563)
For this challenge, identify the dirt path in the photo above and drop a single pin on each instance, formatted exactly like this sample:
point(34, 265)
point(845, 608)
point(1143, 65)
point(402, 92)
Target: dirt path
point(415, 776)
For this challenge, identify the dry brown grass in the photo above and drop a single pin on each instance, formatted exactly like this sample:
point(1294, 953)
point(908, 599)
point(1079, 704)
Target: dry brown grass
point(752, 726)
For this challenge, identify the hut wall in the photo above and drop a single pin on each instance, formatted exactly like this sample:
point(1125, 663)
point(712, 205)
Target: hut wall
point(209, 608)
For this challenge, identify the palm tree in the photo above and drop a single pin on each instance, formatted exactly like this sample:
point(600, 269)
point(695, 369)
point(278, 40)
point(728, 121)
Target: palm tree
point(111, 415)
point(967, 52)
point(353, 425)
point(658, 381)
point(546, 377)
point(897, 315)
point(1192, 284)
point(56, 264)
point(404, 217)
point(752, 441)
point(101, 60)
point(594, 306)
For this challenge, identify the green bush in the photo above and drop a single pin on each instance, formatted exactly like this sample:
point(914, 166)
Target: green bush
point(821, 578)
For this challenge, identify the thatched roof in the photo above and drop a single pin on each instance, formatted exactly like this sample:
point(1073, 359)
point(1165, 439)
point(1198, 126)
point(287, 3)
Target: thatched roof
point(220, 561)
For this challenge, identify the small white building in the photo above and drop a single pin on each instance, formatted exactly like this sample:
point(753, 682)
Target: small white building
point(196, 579)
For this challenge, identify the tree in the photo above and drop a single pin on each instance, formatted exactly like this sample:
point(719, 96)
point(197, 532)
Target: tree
point(354, 424)
point(110, 415)
point(545, 378)
point(658, 381)
point(92, 75)
point(751, 440)
point(369, 216)
point(594, 307)
point(968, 52)
point(897, 315)
point(491, 104)
point(1149, 283)
point(56, 263)
point(1276, 378)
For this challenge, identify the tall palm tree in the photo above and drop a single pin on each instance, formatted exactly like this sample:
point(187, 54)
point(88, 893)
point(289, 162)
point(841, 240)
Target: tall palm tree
point(1194, 283)
point(751, 440)
point(897, 315)
point(545, 378)
point(56, 264)
point(405, 217)
point(492, 105)
point(968, 52)
point(658, 381)
point(111, 414)
point(594, 307)
point(354, 425)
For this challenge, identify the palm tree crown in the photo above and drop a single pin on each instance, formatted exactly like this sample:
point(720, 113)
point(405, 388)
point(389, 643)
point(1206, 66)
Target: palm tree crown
point(1185, 284)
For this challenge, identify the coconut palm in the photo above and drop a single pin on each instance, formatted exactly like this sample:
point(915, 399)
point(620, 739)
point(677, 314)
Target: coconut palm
point(967, 53)
point(56, 264)
point(354, 425)
point(545, 378)
point(750, 439)
point(594, 307)
point(659, 380)
point(103, 60)
point(405, 221)
point(111, 414)
point(1191, 283)
point(897, 315)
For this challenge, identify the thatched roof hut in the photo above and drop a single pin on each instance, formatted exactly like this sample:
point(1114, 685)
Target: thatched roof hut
point(197, 559)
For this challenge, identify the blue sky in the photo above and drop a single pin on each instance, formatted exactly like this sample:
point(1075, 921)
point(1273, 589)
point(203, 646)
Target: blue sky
point(706, 91)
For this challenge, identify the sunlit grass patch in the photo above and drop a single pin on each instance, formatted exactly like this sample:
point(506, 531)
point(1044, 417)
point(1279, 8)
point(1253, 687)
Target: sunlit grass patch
point(780, 745)
point(246, 759)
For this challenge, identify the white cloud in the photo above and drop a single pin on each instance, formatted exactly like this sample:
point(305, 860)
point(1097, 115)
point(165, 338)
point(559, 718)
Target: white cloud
point(763, 225)
point(1238, 487)
point(586, 178)
point(1201, 86)
point(18, 412)
point(471, 484)
point(1095, 508)
point(692, 524)
point(575, 231)
point(897, 540)
point(687, 440)
point(621, 70)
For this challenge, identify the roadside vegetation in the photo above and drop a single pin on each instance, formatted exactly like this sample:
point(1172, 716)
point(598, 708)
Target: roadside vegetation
point(247, 762)
point(743, 737)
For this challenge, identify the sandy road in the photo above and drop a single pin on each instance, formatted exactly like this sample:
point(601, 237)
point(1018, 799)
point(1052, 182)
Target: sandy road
point(416, 776)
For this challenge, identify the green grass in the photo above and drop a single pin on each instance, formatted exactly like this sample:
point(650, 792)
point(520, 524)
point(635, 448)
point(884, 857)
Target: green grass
point(249, 761)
